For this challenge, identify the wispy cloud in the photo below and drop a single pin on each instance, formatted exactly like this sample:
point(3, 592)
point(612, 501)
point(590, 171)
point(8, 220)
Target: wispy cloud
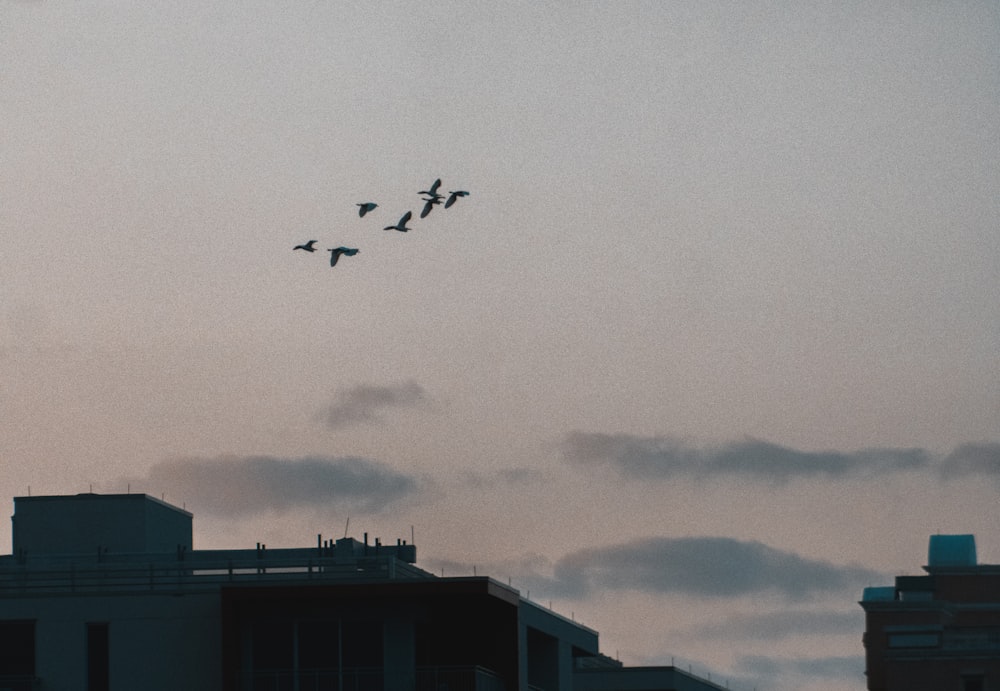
point(780, 624)
point(663, 457)
point(524, 572)
point(702, 566)
point(837, 667)
point(234, 486)
point(973, 459)
point(365, 404)
point(507, 477)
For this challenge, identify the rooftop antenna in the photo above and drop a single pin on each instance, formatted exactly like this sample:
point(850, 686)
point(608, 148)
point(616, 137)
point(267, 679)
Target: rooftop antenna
point(411, 535)
point(347, 526)
point(29, 490)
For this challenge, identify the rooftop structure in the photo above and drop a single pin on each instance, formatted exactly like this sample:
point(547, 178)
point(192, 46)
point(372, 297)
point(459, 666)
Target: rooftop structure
point(940, 630)
point(86, 523)
point(105, 592)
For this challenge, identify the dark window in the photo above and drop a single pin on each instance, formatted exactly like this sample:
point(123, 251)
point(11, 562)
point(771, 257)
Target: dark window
point(98, 659)
point(362, 643)
point(319, 645)
point(273, 646)
point(973, 683)
point(17, 647)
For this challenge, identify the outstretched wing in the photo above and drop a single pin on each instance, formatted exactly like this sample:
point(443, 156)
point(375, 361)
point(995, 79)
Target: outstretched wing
point(401, 226)
point(337, 251)
point(433, 190)
point(453, 197)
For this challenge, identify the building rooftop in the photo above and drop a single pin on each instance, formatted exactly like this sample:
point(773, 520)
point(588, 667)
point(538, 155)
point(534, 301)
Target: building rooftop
point(126, 542)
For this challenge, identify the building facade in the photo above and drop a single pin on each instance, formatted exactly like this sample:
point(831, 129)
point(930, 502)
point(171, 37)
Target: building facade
point(105, 593)
point(938, 631)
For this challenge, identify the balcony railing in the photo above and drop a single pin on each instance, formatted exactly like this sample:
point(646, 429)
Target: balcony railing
point(19, 682)
point(353, 679)
point(468, 678)
point(457, 679)
point(191, 573)
point(953, 642)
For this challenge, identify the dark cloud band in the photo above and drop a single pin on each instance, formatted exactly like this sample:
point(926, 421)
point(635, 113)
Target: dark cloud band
point(235, 486)
point(702, 566)
point(366, 404)
point(661, 457)
point(973, 459)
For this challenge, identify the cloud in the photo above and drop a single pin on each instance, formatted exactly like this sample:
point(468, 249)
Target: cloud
point(781, 624)
point(507, 477)
point(702, 566)
point(973, 459)
point(234, 486)
point(834, 667)
point(525, 572)
point(663, 457)
point(365, 404)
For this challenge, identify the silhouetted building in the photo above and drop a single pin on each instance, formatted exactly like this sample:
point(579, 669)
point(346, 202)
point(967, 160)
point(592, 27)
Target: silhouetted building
point(106, 593)
point(939, 631)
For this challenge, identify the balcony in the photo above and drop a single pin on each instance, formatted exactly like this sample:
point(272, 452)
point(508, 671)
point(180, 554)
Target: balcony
point(207, 570)
point(19, 682)
point(371, 679)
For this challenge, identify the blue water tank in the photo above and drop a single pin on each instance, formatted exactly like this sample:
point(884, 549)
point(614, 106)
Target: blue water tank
point(952, 550)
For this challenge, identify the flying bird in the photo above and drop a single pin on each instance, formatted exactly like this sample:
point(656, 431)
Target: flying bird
point(433, 191)
point(429, 204)
point(401, 226)
point(337, 251)
point(453, 196)
point(365, 207)
point(308, 247)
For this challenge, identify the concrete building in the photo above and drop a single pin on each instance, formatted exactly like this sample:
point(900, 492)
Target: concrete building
point(106, 593)
point(938, 631)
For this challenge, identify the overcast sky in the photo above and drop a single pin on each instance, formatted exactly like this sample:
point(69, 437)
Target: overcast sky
point(710, 346)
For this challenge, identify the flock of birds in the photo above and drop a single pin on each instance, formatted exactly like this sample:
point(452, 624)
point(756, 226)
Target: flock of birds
point(430, 199)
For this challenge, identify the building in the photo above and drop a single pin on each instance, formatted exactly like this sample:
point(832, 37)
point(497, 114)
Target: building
point(939, 631)
point(106, 593)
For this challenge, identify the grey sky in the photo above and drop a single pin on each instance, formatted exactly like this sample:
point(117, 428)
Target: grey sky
point(743, 258)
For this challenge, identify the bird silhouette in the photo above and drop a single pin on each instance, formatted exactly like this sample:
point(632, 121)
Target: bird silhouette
point(365, 207)
point(429, 204)
point(453, 197)
point(308, 247)
point(433, 191)
point(401, 226)
point(337, 251)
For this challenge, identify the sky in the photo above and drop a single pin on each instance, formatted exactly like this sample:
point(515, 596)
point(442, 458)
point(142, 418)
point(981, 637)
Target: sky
point(710, 346)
